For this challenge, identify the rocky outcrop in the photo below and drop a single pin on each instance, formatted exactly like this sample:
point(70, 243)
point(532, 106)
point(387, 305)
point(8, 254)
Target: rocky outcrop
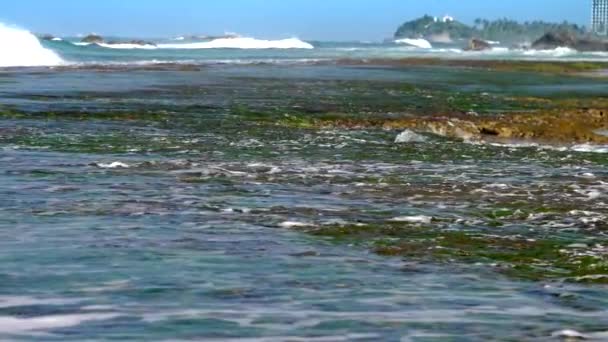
point(132, 42)
point(47, 37)
point(478, 45)
point(141, 42)
point(560, 126)
point(93, 39)
point(576, 126)
point(553, 40)
point(504, 30)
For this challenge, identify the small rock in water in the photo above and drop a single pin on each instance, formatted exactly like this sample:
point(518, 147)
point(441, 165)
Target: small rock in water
point(306, 254)
point(408, 136)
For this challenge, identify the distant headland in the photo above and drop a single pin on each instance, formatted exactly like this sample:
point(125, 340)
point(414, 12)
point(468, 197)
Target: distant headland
point(506, 32)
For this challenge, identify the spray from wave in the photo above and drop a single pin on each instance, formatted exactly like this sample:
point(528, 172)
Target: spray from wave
point(20, 48)
point(243, 43)
point(220, 43)
point(419, 43)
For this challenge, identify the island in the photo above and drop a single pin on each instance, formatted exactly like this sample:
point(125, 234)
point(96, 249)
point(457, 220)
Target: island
point(505, 31)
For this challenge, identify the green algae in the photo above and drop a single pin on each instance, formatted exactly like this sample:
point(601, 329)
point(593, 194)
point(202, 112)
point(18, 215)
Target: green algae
point(115, 115)
point(512, 66)
point(90, 143)
point(539, 258)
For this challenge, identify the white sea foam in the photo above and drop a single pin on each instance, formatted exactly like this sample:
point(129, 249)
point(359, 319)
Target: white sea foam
point(220, 43)
point(413, 219)
point(128, 46)
point(114, 165)
point(294, 224)
point(18, 325)
point(590, 148)
point(242, 43)
point(570, 334)
point(557, 52)
point(16, 301)
point(20, 48)
point(419, 43)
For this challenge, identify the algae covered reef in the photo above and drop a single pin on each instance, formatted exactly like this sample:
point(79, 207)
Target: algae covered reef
point(463, 121)
point(474, 114)
point(465, 198)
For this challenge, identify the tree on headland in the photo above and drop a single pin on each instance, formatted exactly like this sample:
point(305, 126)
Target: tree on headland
point(504, 29)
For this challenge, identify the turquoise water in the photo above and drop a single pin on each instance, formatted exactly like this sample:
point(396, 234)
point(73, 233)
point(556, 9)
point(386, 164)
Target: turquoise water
point(320, 52)
point(147, 204)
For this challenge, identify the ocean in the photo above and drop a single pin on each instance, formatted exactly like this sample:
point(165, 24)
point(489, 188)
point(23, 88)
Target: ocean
point(251, 190)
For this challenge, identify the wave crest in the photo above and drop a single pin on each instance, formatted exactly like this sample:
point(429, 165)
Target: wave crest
point(419, 43)
point(20, 48)
point(220, 43)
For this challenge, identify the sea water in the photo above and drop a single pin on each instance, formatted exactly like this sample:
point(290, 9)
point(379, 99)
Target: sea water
point(150, 201)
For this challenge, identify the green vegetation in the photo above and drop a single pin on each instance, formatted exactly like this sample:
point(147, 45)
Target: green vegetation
point(506, 30)
point(542, 258)
point(503, 30)
point(427, 27)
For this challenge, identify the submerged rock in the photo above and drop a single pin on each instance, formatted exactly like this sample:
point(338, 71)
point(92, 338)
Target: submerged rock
point(554, 40)
point(93, 39)
point(47, 37)
point(133, 42)
point(408, 136)
point(478, 45)
point(581, 126)
point(578, 126)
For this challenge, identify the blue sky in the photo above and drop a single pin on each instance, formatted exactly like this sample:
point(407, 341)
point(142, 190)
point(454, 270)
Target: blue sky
point(307, 19)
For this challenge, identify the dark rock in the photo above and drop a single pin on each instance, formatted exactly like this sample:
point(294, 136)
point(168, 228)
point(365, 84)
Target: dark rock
point(133, 42)
point(225, 36)
point(553, 40)
point(93, 39)
point(520, 46)
point(478, 45)
point(47, 37)
point(140, 42)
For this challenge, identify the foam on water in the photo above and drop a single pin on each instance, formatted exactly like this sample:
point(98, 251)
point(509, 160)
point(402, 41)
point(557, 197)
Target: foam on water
point(242, 43)
point(20, 325)
point(20, 48)
point(557, 52)
point(114, 165)
point(413, 219)
point(220, 43)
point(419, 43)
point(128, 46)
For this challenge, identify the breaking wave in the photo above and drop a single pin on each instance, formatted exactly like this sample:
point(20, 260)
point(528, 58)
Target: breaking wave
point(419, 43)
point(243, 43)
point(220, 43)
point(20, 48)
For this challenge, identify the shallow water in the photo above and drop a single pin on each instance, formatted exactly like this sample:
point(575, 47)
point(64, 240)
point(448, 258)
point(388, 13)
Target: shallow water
point(74, 52)
point(148, 204)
